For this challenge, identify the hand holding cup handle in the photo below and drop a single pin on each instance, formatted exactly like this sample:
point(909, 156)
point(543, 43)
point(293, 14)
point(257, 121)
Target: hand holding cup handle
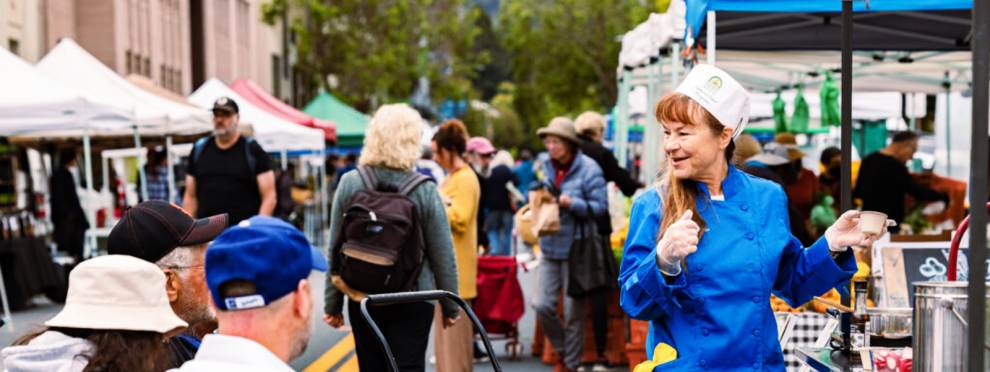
point(859, 228)
point(678, 241)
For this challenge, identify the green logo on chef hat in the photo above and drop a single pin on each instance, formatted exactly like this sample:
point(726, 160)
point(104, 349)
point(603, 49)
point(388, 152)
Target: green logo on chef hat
point(713, 84)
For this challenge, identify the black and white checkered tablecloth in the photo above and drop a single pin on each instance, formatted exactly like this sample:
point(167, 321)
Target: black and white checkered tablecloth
point(807, 326)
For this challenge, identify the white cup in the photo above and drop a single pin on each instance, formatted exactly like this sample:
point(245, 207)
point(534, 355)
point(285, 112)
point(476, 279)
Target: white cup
point(872, 223)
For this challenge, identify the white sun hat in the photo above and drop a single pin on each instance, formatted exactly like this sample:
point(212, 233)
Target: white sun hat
point(117, 292)
point(720, 94)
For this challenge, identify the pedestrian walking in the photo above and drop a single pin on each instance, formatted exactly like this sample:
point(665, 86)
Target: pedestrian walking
point(229, 172)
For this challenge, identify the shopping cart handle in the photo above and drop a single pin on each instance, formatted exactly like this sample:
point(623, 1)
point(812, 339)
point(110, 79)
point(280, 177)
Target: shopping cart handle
point(407, 297)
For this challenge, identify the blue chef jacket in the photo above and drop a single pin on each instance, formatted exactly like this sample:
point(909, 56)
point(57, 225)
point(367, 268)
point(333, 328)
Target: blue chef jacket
point(717, 313)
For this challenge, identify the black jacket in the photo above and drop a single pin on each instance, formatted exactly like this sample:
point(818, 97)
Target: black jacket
point(612, 172)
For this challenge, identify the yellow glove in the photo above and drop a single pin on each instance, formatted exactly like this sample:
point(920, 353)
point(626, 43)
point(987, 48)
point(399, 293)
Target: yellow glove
point(663, 353)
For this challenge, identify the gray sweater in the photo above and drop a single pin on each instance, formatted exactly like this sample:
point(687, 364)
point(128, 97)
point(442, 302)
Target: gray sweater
point(439, 268)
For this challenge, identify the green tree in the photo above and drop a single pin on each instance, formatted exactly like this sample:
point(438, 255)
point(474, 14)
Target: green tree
point(375, 51)
point(564, 53)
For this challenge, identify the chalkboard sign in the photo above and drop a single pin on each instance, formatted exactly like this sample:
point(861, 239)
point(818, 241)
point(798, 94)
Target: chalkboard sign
point(932, 265)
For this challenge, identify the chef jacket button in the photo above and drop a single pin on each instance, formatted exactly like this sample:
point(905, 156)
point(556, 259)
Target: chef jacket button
point(744, 207)
point(756, 332)
point(756, 299)
point(701, 300)
point(750, 236)
point(699, 268)
point(705, 332)
point(703, 362)
point(756, 365)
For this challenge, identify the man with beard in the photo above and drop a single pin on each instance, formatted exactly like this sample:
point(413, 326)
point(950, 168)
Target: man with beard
point(227, 172)
point(258, 274)
point(165, 235)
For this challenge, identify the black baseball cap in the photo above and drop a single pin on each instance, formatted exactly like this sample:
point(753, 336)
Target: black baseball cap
point(225, 104)
point(151, 230)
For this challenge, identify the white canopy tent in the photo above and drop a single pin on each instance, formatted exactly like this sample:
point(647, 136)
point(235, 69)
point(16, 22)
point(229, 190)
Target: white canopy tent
point(274, 134)
point(74, 66)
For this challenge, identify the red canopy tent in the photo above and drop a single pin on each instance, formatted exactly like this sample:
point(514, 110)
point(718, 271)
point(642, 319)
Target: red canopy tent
point(259, 97)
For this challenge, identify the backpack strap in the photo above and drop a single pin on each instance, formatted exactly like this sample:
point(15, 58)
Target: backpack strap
point(411, 181)
point(368, 177)
point(199, 146)
point(252, 161)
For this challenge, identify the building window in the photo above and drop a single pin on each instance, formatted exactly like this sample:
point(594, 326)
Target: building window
point(163, 77)
point(14, 46)
point(276, 75)
point(146, 69)
point(177, 80)
point(127, 60)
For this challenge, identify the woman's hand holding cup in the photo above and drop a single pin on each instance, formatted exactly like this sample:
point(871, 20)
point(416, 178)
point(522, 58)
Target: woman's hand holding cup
point(678, 241)
point(856, 228)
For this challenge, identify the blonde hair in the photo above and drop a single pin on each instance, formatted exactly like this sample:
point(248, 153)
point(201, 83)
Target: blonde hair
point(681, 194)
point(392, 139)
point(589, 123)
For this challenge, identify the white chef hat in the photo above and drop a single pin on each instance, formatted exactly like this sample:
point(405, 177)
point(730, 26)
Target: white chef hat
point(720, 94)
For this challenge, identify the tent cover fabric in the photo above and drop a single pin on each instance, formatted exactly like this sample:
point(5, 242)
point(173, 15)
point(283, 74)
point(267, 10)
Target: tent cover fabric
point(273, 133)
point(350, 122)
point(32, 103)
point(259, 97)
point(907, 25)
point(71, 65)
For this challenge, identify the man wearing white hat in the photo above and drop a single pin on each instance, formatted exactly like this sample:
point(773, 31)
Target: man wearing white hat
point(709, 244)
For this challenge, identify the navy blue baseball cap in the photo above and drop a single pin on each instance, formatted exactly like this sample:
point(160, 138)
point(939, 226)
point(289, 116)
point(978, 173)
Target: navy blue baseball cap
point(267, 252)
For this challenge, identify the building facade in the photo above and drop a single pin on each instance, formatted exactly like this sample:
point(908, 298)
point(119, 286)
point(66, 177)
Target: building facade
point(21, 28)
point(178, 44)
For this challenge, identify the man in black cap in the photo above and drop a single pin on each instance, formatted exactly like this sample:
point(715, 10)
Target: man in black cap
point(227, 172)
point(164, 234)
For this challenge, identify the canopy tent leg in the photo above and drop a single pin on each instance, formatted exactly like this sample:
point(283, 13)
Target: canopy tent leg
point(325, 196)
point(140, 164)
point(620, 130)
point(285, 159)
point(106, 172)
point(976, 308)
point(171, 171)
point(89, 250)
point(710, 21)
point(948, 133)
point(846, 136)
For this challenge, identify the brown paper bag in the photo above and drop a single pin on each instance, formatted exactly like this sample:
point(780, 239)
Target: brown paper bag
point(546, 211)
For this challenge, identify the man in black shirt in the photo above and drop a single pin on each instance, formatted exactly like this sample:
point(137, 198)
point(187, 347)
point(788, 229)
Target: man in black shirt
point(884, 179)
point(228, 173)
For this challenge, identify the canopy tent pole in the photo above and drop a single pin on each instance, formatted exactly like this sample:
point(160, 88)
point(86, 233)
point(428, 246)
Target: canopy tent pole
point(846, 138)
point(285, 158)
point(171, 171)
point(140, 164)
point(106, 172)
point(948, 133)
point(620, 129)
point(325, 196)
point(90, 211)
point(711, 37)
point(976, 308)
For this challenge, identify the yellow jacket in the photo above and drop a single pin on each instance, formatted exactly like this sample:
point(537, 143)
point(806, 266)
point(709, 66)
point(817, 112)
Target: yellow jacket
point(463, 191)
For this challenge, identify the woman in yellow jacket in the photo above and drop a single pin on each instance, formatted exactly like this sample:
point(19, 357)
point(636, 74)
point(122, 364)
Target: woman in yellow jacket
point(461, 193)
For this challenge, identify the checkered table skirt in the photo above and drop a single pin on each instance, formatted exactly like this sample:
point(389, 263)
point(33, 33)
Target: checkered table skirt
point(807, 326)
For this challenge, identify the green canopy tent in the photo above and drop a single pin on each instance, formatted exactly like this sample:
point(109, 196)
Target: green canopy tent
point(350, 122)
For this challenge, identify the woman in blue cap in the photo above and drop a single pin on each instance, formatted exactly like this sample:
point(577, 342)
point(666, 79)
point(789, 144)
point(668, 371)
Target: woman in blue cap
point(709, 244)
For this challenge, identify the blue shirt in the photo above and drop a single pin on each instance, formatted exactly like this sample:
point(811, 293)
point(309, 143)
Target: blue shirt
point(717, 313)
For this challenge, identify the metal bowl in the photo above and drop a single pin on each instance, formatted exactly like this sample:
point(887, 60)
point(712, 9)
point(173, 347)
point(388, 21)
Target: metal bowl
point(890, 322)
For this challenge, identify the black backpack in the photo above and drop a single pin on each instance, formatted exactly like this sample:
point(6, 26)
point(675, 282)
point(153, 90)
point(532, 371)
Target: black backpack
point(380, 248)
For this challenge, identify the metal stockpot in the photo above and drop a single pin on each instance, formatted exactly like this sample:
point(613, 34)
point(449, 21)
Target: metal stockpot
point(940, 327)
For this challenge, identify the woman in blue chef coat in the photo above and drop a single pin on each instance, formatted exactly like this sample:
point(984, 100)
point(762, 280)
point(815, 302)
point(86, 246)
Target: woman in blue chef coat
point(709, 244)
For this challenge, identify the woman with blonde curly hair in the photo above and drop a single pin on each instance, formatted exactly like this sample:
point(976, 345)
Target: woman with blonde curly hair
point(391, 148)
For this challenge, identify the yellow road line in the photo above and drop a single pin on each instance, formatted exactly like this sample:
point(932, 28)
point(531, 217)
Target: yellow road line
point(351, 365)
point(334, 355)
